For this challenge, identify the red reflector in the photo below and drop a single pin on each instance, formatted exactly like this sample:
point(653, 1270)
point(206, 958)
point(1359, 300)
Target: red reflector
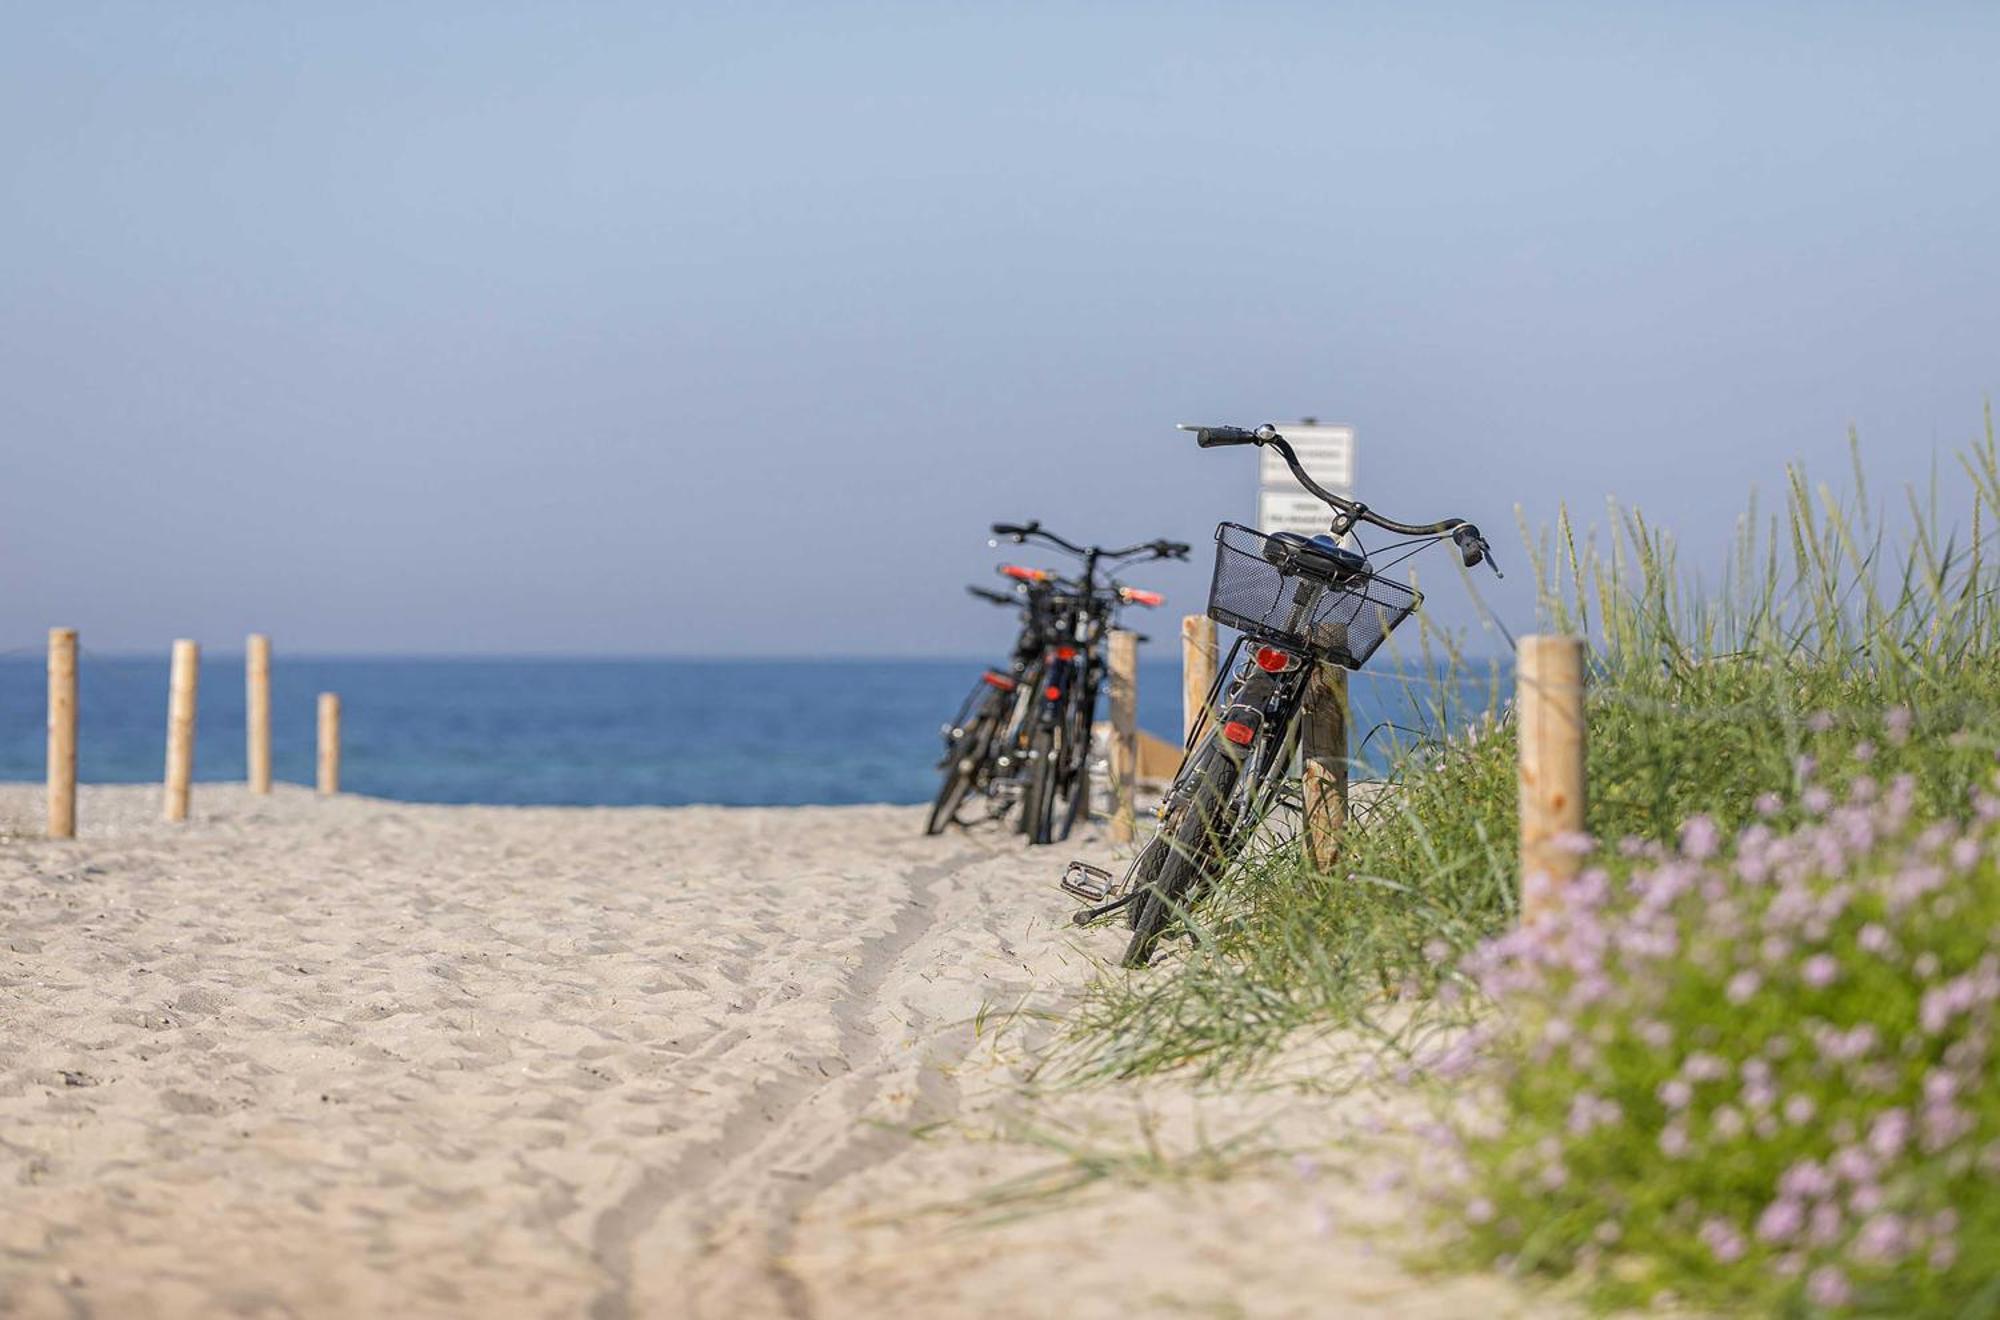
point(1052, 692)
point(1273, 661)
point(1137, 597)
point(1020, 574)
point(1239, 733)
point(1001, 681)
point(1065, 653)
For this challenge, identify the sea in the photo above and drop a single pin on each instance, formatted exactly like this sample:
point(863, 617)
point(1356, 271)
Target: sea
point(582, 732)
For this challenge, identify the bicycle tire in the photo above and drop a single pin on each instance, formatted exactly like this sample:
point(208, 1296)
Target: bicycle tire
point(1077, 747)
point(1145, 871)
point(960, 775)
point(1190, 853)
point(1045, 771)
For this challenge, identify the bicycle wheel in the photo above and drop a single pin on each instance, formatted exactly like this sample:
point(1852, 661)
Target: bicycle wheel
point(1077, 747)
point(1045, 770)
point(1192, 850)
point(961, 773)
point(1146, 871)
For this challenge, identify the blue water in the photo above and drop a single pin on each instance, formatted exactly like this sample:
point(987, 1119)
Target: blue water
point(578, 732)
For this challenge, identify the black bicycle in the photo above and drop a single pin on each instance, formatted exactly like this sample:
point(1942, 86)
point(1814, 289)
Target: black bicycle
point(1296, 602)
point(1024, 734)
point(1055, 783)
point(985, 742)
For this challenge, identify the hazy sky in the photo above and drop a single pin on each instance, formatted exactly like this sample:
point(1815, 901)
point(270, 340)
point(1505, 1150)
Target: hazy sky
point(675, 328)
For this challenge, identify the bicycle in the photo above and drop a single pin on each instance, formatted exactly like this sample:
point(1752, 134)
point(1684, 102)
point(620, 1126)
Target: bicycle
point(983, 742)
point(1296, 602)
point(1056, 788)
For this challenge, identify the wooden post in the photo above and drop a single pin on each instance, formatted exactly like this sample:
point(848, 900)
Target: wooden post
point(257, 712)
point(329, 744)
point(1549, 710)
point(1323, 753)
point(62, 733)
point(1124, 734)
point(1198, 654)
point(180, 727)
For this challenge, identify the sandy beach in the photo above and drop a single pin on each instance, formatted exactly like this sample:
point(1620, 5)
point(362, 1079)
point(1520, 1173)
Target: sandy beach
point(355, 1057)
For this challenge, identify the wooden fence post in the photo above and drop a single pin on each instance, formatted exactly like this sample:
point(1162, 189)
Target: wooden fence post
point(1550, 715)
point(329, 744)
point(62, 733)
point(1198, 656)
point(257, 712)
point(180, 727)
point(1124, 734)
point(1323, 753)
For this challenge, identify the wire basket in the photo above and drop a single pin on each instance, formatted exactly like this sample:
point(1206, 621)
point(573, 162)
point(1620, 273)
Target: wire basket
point(1342, 617)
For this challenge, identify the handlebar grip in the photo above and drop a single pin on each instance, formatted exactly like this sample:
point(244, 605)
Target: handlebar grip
point(1016, 529)
point(1472, 547)
point(1209, 437)
point(995, 597)
point(1175, 549)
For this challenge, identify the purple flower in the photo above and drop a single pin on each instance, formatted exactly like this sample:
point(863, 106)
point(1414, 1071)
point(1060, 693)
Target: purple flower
point(1704, 1067)
point(1742, 986)
point(1781, 1220)
point(1722, 1241)
point(1799, 1110)
point(1674, 1141)
point(1853, 1164)
point(1873, 938)
point(1587, 1111)
point(1479, 1210)
point(1700, 838)
point(1675, 1093)
point(1805, 1180)
point(1770, 804)
point(1882, 1239)
point(1889, 1133)
point(1820, 971)
point(1898, 722)
point(1827, 1286)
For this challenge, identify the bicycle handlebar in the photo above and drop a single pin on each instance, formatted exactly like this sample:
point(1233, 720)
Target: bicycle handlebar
point(1472, 545)
point(1020, 533)
point(994, 597)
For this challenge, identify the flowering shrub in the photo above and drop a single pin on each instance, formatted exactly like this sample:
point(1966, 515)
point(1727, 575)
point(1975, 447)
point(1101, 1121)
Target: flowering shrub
point(1754, 1072)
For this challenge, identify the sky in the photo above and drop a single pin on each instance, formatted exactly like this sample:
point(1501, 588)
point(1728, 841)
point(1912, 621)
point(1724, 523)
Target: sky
point(647, 328)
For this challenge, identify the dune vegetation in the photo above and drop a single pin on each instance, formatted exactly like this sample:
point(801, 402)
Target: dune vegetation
point(1750, 1065)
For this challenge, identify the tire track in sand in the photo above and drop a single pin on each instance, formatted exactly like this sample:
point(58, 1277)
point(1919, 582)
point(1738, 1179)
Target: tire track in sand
point(769, 1104)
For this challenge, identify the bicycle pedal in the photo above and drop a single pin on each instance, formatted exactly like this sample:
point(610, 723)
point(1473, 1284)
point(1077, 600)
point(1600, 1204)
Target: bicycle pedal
point(1092, 884)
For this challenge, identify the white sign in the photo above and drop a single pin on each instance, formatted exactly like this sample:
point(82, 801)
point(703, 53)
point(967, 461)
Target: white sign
point(1327, 455)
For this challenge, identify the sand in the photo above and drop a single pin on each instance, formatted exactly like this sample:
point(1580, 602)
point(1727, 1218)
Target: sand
point(359, 1058)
